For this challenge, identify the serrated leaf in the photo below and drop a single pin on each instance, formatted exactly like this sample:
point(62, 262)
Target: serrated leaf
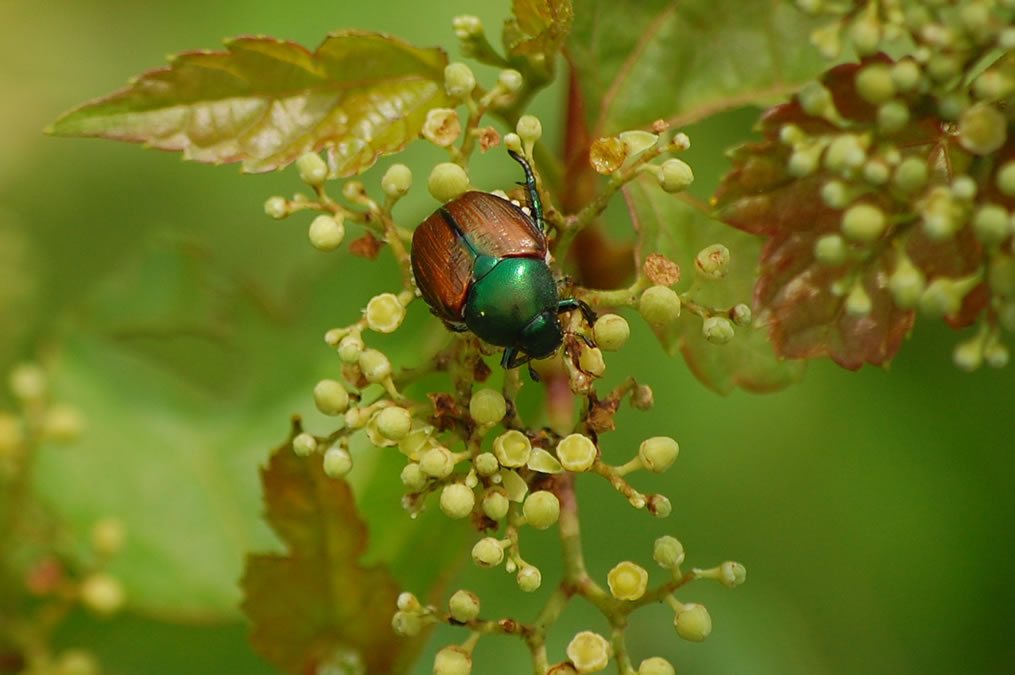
point(801, 300)
point(545, 22)
point(264, 102)
point(642, 60)
point(316, 606)
point(671, 225)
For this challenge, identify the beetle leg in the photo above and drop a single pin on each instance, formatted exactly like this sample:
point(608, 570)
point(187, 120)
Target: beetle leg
point(571, 304)
point(535, 203)
point(513, 358)
point(456, 327)
point(532, 372)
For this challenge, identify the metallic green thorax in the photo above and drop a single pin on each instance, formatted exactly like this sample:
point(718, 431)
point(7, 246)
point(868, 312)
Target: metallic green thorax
point(511, 294)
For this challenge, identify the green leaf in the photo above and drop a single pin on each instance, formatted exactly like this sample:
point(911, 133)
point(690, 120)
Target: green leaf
point(637, 61)
point(676, 228)
point(316, 606)
point(264, 102)
point(545, 22)
point(185, 373)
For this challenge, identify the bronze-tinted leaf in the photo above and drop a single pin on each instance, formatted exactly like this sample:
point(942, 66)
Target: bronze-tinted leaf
point(264, 102)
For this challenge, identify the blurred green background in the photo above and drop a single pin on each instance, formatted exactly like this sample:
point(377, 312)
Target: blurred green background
point(873, 510)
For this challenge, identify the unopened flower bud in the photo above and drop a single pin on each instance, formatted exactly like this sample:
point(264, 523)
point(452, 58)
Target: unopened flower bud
point(487, 552)
point(741, 315)
point(659, 506)
point(513, 142)
point(906, 284)
point(589, 652)
point(326, 232)
point(76, 662)
point(659, 305)
point(863, 223)
point(529, 578)
point(991, 224)
point(611, 332)
point(1006, 179)
point(529, 128)
point(396, 180)
point(495, 503)
point(983, 129)
point(276, 207)
point(331, 397)
point(858, 303)
point(944, 296)
point(732, 574)
point(717, 329)
point(627, 581)
point(413, 478)
point(437, 462)
point(487, 407)
point(349, 348)
point(394, 422)
point(486, 464)
point(447, 181)
point(102, 593)
point(668, 552)
point(996, 355)
point(337, 462)
point(459, 80)
point(830, 250)
point(655, 666)
point(375, 365)
point(541, 509)
point(457, 500)
point(892, 117)
point(304, 444)
point(384, 313)
point(312, 169)
point(407, 624)
point(874, 83)
point(452, 660)
point(911, 174)
point(463, 606)
point(658, 453)
point(676, 175)
point(576, 452)
point(693, 622)
point(968, 355)
point(510, 80)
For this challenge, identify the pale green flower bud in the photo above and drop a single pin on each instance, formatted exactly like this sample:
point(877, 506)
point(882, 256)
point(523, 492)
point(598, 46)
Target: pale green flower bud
point(312, 169)
point(659, 305)
point(541, 509)
point(463, 606)
point(668, 552)
point(529, 578)
point(448, 181)
point(611, 332)
point(331, 397)
point(488, 407)
point(457, 500)
point(375, 365)
point(397, 181)
point(658, 453)
point(459, 81)
point(337, 462)
point(693, 622)
point(326, 232)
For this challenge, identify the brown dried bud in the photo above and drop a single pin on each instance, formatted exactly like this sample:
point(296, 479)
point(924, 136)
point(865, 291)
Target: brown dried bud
point(367, 246)
point(661, 270)
point(488, 138)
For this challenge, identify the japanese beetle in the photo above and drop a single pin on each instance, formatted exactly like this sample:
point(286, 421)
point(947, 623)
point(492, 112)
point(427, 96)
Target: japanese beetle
point(481, 265)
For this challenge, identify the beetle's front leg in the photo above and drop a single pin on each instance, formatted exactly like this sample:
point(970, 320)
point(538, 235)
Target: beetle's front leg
point(571, 304)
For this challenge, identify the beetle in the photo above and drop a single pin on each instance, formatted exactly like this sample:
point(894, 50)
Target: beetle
point(480, 263)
